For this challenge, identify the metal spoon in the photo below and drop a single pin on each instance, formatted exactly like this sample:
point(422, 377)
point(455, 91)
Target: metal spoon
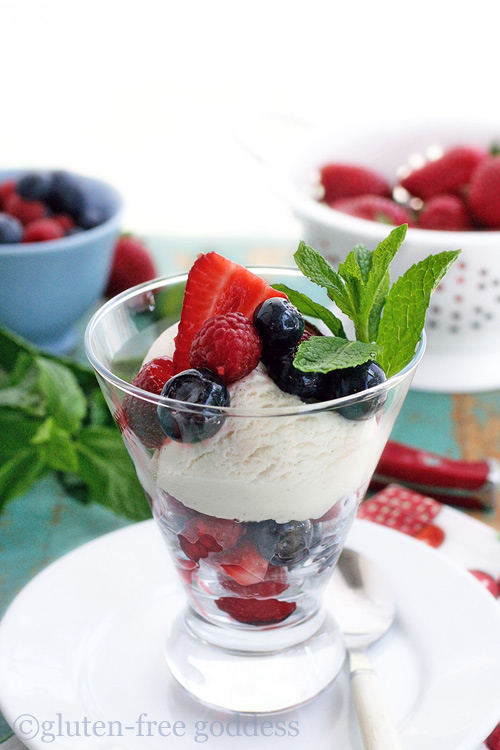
point(364, 607)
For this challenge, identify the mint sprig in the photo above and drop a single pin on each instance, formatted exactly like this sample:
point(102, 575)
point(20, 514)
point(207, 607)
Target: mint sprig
point(312, 309)
point(404, 311)
point(326, 353)
point(53, 418)
point(387, 320)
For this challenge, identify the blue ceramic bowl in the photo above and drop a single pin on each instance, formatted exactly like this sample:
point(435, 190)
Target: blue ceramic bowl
point(46, 287)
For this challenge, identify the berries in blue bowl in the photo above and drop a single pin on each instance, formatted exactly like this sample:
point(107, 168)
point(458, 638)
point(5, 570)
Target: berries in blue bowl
point(66, 203)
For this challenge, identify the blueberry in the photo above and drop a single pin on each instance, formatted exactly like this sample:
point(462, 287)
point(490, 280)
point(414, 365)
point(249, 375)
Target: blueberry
point(308, 386)
point(187, 425)
point(11, 230)
point(278, 322)
point(92, 216)
point(35, 186)
point(354, 380)
point(66, 195)
point(283, 543)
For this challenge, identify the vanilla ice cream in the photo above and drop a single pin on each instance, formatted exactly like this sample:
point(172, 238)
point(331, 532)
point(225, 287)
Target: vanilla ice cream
point(290, 467)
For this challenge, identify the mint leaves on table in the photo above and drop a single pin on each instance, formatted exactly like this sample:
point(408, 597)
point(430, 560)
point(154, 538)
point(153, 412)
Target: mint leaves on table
point(53, 417)
point(388, 320)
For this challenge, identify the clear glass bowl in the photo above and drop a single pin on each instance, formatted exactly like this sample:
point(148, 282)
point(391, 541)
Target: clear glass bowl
point(255, 516)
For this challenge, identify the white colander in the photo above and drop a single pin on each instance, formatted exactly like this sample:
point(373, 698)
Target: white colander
point(463, 322)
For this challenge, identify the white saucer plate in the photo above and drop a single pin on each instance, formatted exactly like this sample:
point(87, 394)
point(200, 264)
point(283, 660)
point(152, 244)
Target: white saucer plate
point(82, 653)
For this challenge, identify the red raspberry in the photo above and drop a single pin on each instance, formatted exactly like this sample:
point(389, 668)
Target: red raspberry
point(65, 222)
point(216, 285)
point(141, 415)
point(349, 180)
point(446, 212)
point(256, 611)
point(42, 230)
point(449, 174)
point(373, 208)
point(227, 345)
point(25, 211)
point(484, 193)
point(6, 189)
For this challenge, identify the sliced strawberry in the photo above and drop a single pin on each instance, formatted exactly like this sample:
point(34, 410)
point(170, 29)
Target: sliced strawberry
point(273, 584)
point(244, 564)
point(216, 285)
point(186, 569)
point(203, 535)
point(224, 531)
point(256, 611)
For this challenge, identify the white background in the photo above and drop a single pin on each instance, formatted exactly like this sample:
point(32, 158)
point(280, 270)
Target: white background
point(146, 94)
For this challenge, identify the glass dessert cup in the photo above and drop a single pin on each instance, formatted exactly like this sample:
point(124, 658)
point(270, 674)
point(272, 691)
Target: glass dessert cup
point(255, 513)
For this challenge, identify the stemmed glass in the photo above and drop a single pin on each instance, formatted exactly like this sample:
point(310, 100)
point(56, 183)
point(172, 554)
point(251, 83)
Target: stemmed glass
point(255, 516)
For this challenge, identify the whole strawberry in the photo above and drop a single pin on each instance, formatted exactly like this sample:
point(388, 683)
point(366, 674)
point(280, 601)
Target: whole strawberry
point(484, 192)
point(349, 180)
point(140, 415)
point(374, 208)
point(132, 264)
point(449, 174)
point(446, 212)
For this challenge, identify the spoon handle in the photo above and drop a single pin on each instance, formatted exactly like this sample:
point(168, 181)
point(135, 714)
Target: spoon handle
point(377, 726)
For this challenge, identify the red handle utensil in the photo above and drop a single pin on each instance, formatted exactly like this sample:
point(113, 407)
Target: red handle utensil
point(467, 484)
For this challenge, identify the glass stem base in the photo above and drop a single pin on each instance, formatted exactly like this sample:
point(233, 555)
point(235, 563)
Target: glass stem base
point(270, 670)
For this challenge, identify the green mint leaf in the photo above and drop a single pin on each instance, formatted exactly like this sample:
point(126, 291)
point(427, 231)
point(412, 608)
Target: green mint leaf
point(74, 486)
point(19, 472)
point(378, 303)
point(11, 345)
point(326, 353)
point(108, 472)
point(20, 389)
point(64, 399)
point(312, 309)
point(315, 267)
point(16, 433)
point(56, 446)
point(403, 319)
point(377, 284)
point(98, 414)
point(363, 258)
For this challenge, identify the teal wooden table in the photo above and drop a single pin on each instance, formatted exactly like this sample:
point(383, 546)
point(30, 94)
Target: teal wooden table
point(46, 523)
